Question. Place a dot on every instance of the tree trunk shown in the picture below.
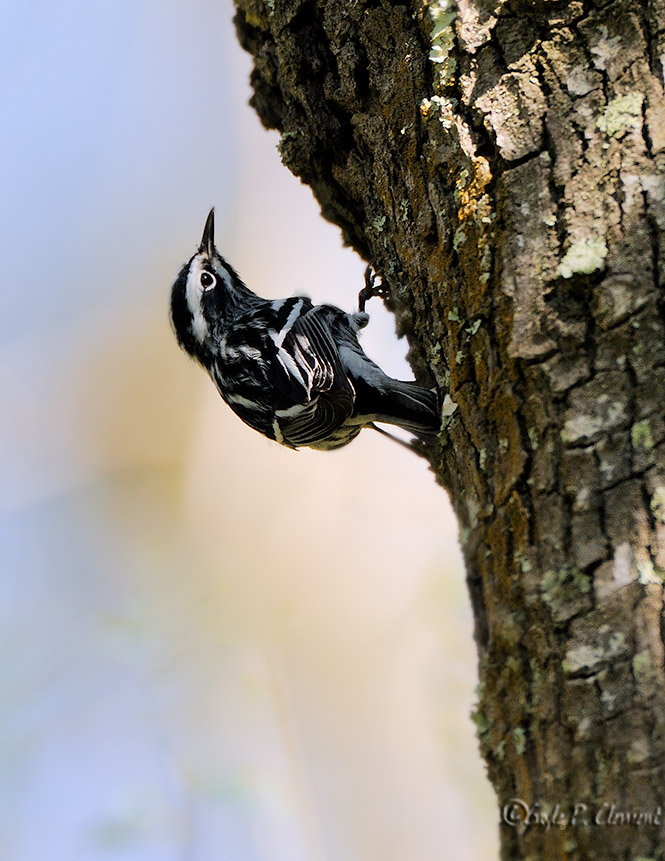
(502, 164)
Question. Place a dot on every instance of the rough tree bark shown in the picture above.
(502, 163)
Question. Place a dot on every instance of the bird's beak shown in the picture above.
(208, 240)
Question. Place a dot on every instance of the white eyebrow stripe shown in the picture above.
(193, 293)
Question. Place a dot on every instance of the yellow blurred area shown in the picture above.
(215, 648)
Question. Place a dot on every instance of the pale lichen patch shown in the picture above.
(459, 238)
(584, 427)
(640, 435)
(639, 751)
(648, 573)
(583, 258)
(579, 81)
(519, 740)
(657, 504)
(606, 48)
(622, 114)
(591, 656)
(475, 23)
(642, 665)
(378, 223)
(443, 14)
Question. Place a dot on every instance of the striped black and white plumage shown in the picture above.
(292, 370)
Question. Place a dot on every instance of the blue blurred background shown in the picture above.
(212, 647)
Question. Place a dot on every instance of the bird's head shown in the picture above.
(201, 295)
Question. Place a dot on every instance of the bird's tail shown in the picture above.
(402, 403)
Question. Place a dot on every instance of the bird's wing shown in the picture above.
(293, 377)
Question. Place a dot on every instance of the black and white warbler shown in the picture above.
(292, 370)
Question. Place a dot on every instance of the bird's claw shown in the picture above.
(371, 288)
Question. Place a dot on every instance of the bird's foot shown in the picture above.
(373, 287)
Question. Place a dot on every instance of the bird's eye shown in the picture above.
(207, 280)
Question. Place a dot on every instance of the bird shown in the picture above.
(290, 369)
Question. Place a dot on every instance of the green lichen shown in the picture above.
(445, 106)
(640, 435)
(453, 315)
(622, 114)
(443, 14)
(647, 572)
(482, 459)
(479, 718)
(583, 258)
(565, 591)
(657, 504)
(519, 740)
(378, 223)
(460, 184)
(254, 19)
(533, 438)
(642, 665)
(459, 238)
(442, 34)
(473, 328)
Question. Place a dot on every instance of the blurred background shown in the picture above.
(211, 647)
